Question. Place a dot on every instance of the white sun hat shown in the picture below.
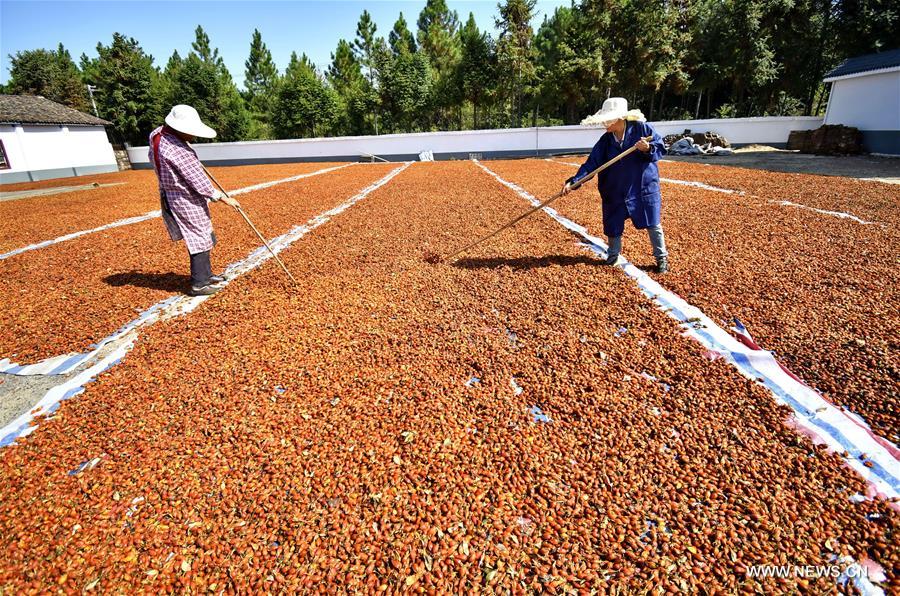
(184, 118)
(614, 108)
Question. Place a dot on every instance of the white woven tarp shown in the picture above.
(687, 146)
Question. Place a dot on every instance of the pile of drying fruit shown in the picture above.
(65, 297)
(866, 199)
(523, 420)
(815, 289)
(31, 220)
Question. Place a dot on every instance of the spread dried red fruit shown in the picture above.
(815, 289)
(280, 440)
(429, 256)
(867, 199)
(27, 221)
(65, 297)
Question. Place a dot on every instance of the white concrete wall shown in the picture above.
(14, 155)
(32, 148)
(519, 141)
(870, 102)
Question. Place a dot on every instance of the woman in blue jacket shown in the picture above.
(629, 189)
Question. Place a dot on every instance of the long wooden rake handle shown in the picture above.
(628, 151)
(249, 223)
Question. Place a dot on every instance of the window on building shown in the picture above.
(4, 162)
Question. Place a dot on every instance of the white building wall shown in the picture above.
(40, 152)
(13, 147)
(488, 143)
(869, 102)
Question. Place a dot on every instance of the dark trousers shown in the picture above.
(201, 269)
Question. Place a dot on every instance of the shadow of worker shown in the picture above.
(169, 282)
(523, 263)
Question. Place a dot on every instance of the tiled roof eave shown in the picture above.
(34, 109)
(103, 123)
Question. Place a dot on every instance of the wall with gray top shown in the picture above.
(482, 144)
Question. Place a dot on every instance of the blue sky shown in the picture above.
(309, 26)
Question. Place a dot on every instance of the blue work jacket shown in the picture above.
(629, 188)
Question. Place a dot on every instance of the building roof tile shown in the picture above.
(861, 64)
(34, 109)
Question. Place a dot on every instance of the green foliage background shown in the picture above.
(674, 59)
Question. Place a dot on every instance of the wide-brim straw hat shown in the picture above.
(614, 108)
(184, 118)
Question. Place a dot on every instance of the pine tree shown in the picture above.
(438, 29)
(203, 49)
(515, 54)
(804, 43)
(69, 85)
(88, 69)
(400, 38)
(261, 78)
(126, 88)
(476, 68)
(437, 37)
(202, 81)
(405, 89)
(364, 44)
(647, 62)
(344, 71)
(168, 79)
(743, 53)
(346, 78)
(305, 105)
(867, 26)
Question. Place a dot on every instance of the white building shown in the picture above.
(41, 139)
(865, 93)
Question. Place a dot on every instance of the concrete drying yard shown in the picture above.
(522, 420)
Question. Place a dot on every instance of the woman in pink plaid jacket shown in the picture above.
(185, 192)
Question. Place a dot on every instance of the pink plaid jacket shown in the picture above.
(183, 190)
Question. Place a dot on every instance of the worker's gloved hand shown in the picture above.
(230, 202)
(567, 187)
(217, 194)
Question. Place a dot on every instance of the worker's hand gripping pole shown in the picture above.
(622, 155)
(240, 210)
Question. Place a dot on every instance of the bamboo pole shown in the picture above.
(240, 210)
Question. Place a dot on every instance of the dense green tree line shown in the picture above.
(672, 58)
